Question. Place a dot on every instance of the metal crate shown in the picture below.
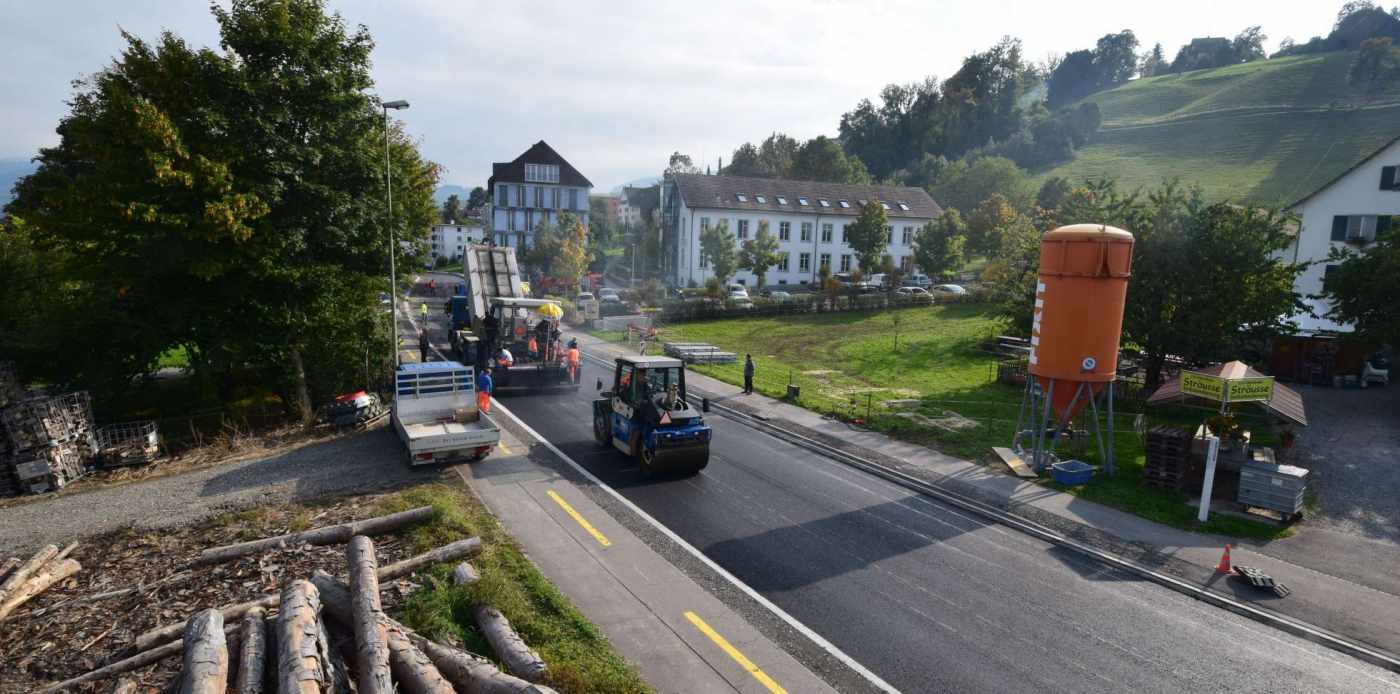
(1279, 488)
(128, 443)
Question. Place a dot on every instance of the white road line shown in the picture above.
(791, 621)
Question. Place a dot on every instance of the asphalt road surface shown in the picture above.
(931, 599)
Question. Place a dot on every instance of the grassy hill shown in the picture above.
(1268, 132)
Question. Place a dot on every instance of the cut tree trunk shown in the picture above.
(473, 674)
(413, 671)
(512, 650)
(52, 573)
(252, 653)
(330, 535)
(63, 553)
(19, 575)
(301, 664)
(8, 566)
(206, 655)
(464, 574)
(135, 662)
(456, 550)
(366, 613)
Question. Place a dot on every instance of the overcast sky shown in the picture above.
(614, 86)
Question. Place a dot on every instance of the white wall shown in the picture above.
(1357, 193)
(450, 240)
(688, 263)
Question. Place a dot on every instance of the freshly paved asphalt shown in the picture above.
(931, 599)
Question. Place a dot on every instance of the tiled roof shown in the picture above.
(782, 195)
(539, 153)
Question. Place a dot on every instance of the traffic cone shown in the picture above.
(1224, 566)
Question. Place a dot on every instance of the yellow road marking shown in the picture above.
(734, 653)
(601, 538)
(502, 445)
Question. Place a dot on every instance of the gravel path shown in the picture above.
(1352, 445)
(359, 462)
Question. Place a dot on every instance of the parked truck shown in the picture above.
(435, 413)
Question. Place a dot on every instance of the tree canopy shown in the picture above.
(940, 244)
(760, 253)
(717, 249)
(1363, 286)
(868, 235)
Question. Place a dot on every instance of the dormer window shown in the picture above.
(844, 205)
(824, 203)
(782, 200)
(542, 173)
(761, 200)
(904, 207)
(803, 202)
(741, 197)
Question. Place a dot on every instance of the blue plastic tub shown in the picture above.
(1072, 472)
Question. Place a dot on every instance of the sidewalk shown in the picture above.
(681, 638)
(1341, 583)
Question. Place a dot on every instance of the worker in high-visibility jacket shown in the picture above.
(574, 357)
(483, 390)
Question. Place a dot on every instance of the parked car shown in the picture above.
(608, 295)
(913, 294)
(738, 291)
(780, 296)
(584, 296)
(842, 278)
(948, 290)
(864, 287)
(921, 281)
(876, 279)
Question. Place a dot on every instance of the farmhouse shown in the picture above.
(809, 219)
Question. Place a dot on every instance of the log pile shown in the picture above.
(320, 633)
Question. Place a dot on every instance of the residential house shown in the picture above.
(450, 240)
(537, 186)
(809, 219)
(636, 205)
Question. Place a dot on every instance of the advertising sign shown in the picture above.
(1202, 385)
(1251, 389)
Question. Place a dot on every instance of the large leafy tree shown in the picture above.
(229, 202)
(988, 222)
(965, 186)
(451, 209)
(868, 235)
(940, 244)
(477, 199)
(717, 249)
(1364, 285)
(759, 253)
(572, 257)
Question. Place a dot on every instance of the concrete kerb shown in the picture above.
(826, 646)
(991, 512)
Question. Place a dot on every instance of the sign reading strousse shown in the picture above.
(1202, 385)
(1251, 389)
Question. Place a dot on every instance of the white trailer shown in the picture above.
(436, 415)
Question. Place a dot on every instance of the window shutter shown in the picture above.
(1388, 175)
(1339, 227)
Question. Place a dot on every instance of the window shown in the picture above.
(761, 200)
(504, 192)
(539, 196)
(1359, 228)
(824, 203)
(803, 201)
(573, 198)
(889, 234)
(782, 200)
(843, 233)
(519, 196)
(1390, 178)
(704, 223)
(742, 197)
(704, 260)
(743, 229)
(806, 232)
(804, 262)
(908, 236)
(825, 261)
(554, 198)
(783, 262)
(826, 233)
(906, 264)
(845, 262)
(845, 205)
(541, 173)
(904, 207)
(1327, 271)
(784, 231)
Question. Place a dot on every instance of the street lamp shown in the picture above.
(389, 222)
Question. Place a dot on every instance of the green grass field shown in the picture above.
(937, 388)
(1268, 132)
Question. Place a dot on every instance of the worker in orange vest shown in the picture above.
(573, 360)
(533, 347)
(484, 386)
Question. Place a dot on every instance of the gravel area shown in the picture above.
(1352, 446)
(366, 461)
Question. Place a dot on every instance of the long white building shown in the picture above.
(809, 219)
(536, 186)
(450, 240)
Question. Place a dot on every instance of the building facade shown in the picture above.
(636, 204)
(809, 219)
(1352, 209)
(537, 186)
(451, 240)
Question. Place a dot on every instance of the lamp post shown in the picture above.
(389, 222)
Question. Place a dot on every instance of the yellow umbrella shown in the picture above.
(551, 311)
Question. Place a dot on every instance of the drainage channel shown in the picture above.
(1296, 627)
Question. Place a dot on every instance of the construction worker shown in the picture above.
(423, 309)
(573, 360)
(483, 390)
(533, 347)
(504, 359)
(748, 374)
(423, 346)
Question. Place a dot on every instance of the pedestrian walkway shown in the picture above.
(1341, 583)
(680, 637)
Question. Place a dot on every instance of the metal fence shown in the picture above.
(799, 304)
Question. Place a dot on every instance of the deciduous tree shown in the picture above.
(939, 245)
(759, 253)
(868, 235)
(717, 249)
(1364, 284)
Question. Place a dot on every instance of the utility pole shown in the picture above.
(389, 222)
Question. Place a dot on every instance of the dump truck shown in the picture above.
(494, 312)
(436, 416)
(645, 415)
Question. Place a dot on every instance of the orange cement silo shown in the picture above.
(1079, 297)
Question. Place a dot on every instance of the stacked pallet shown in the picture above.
(50, 441)
(1167, 465)
(699, 353)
